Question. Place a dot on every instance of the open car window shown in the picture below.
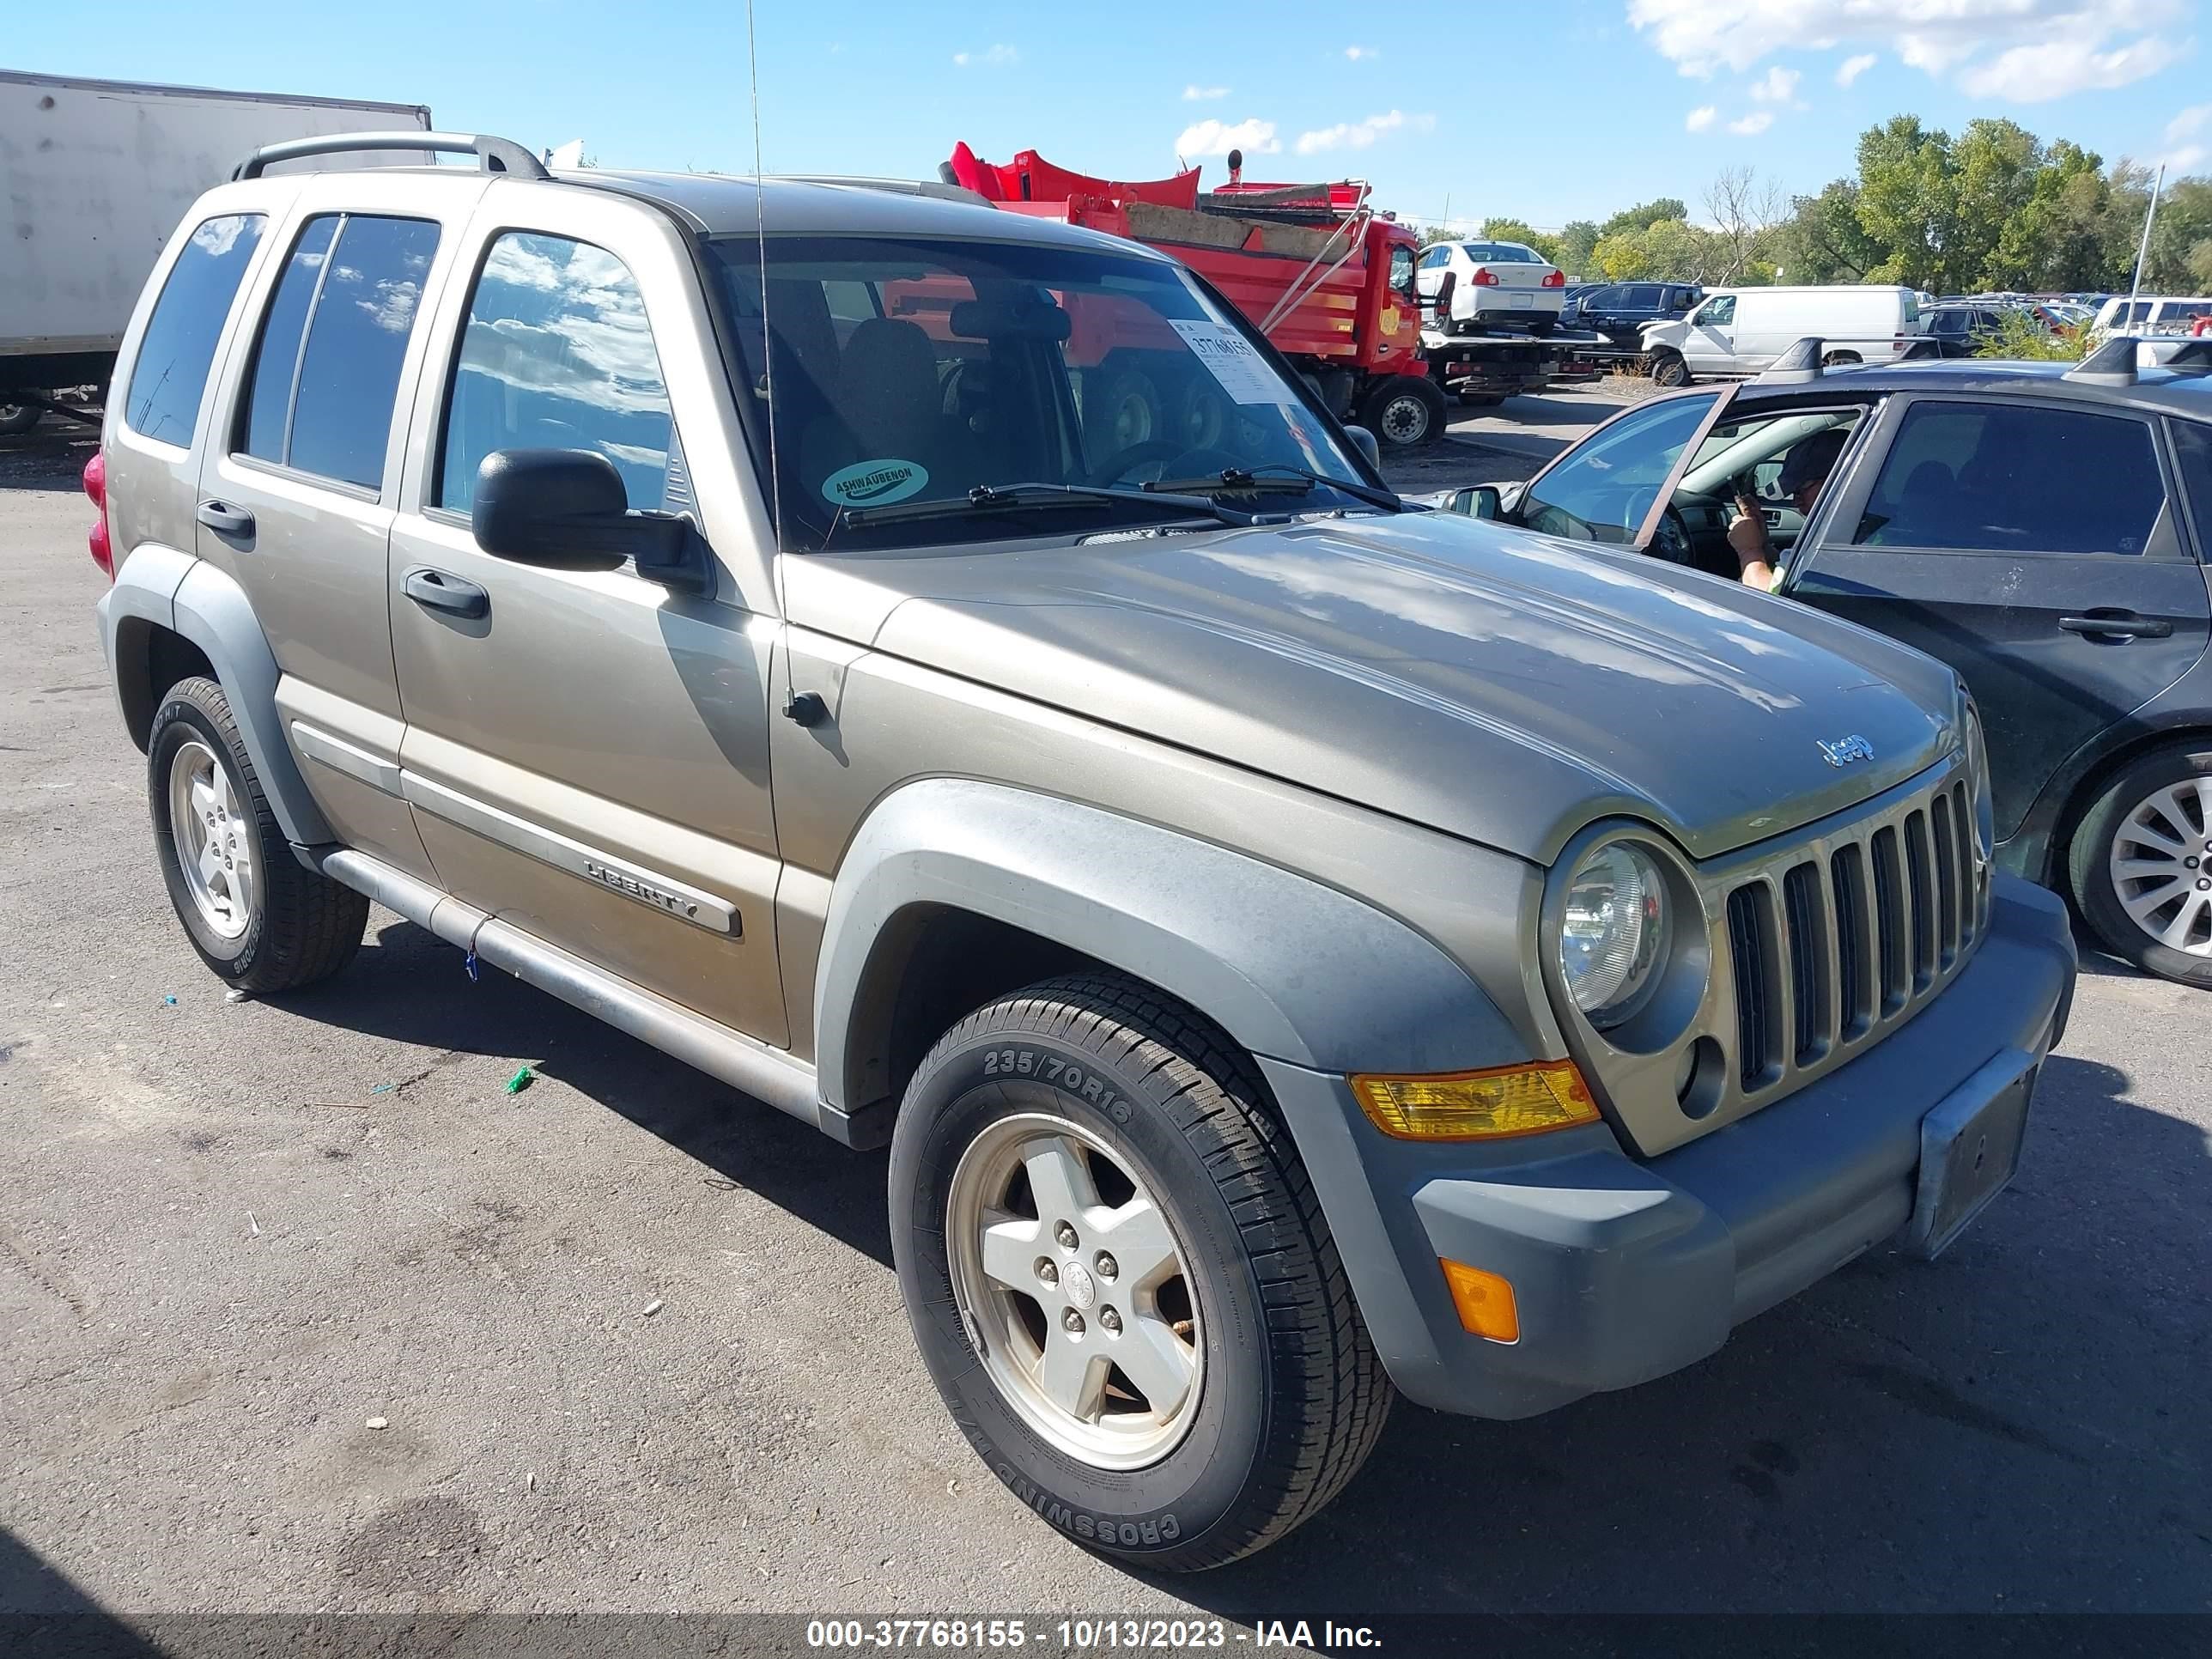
(1609, 487)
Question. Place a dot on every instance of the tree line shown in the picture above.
(1995, 208)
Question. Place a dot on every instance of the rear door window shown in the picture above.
(1997, 477)
(171, 371)
(1642, 296)
(2192, 448)
(558, 355)
(333, 344)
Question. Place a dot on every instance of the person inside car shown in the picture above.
(1804, 470)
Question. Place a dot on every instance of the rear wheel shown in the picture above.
(1404, 412)
(256, 914)
(17, 419)
(2141, 863)
(1668, 369)
(1121, 1280)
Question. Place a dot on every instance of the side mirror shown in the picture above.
(1363, 442)
(567, 509)
(1484, 502)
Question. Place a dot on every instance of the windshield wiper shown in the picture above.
(1275, 480)
(1010, 497)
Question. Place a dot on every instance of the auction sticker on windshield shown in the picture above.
(1229, 358)
(875, 484)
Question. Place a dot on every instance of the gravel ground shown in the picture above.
(635, 1345)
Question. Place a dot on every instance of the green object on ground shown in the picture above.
(521, 1080)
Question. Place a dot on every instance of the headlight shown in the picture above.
(1614, 937)
(1978, 775)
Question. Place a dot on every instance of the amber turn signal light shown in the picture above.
(1484, 1301)
(1492, 1105)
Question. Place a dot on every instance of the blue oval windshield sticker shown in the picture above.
(873, 483)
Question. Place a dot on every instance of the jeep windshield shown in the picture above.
(952, 371)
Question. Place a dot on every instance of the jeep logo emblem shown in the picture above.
(1844, 751)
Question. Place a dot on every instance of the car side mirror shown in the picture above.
(1484, 502)
(567, 509)
(1363, 442)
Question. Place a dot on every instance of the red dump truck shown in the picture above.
(1323, 275)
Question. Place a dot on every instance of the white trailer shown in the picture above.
(94, 178)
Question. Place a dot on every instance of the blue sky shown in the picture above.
(1548, 109)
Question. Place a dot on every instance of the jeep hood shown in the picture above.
(1483, 680)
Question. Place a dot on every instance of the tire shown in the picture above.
(1543, 329)
(1284, 1395)
(2167, 793)
(1404, 412)
(17, 419)
(1125, 413)
(281, 925)
(1668, 369)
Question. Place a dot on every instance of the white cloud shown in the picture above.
(1852, 67)
(997, 57)
(1358, 135)
(1195, 93)
(1355, 53)
(1753, 124)
(2184, 155)
(1701, 118)
(2106, 43)
(2036, 75)
(1777, 86)
(1219, 137)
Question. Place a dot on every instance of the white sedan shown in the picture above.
(1492, 285)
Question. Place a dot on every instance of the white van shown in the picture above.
(2151, 314)
(1738, 331)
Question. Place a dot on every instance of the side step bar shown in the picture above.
(752, 1067)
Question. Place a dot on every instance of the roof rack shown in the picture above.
(493, 155)
(1806, 359)
(948, 191)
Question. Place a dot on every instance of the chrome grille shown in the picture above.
(1828, 945)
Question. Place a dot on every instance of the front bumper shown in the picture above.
(1625, 1269)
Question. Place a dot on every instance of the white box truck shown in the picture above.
(94, 178)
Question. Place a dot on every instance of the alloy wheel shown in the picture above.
(215, 843)
(2160, 862)
(1075, 1291)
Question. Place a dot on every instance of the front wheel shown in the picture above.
(2141, 864)
(1404, 412)
(1121, 1280)
(1668, 369)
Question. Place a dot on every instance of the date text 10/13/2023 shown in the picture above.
(1083, 1635)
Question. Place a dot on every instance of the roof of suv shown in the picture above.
(2184, 393)
(718, 203)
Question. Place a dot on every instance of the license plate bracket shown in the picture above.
(1969, 1149)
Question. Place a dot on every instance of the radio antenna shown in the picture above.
(809, 712)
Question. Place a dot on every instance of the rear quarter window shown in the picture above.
(175, 355)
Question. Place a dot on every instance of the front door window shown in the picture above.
(1603, 489)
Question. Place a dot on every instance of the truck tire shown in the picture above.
(1668, 369)
(1404, 411)
(1121, 1280)
(2162, 923)
(259, 918)
(1124, 412)
(17, 419)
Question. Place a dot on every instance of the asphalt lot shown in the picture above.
(232, 1234)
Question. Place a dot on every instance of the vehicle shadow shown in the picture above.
(2016, 1427)
(43, 1612)
(411, 987)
